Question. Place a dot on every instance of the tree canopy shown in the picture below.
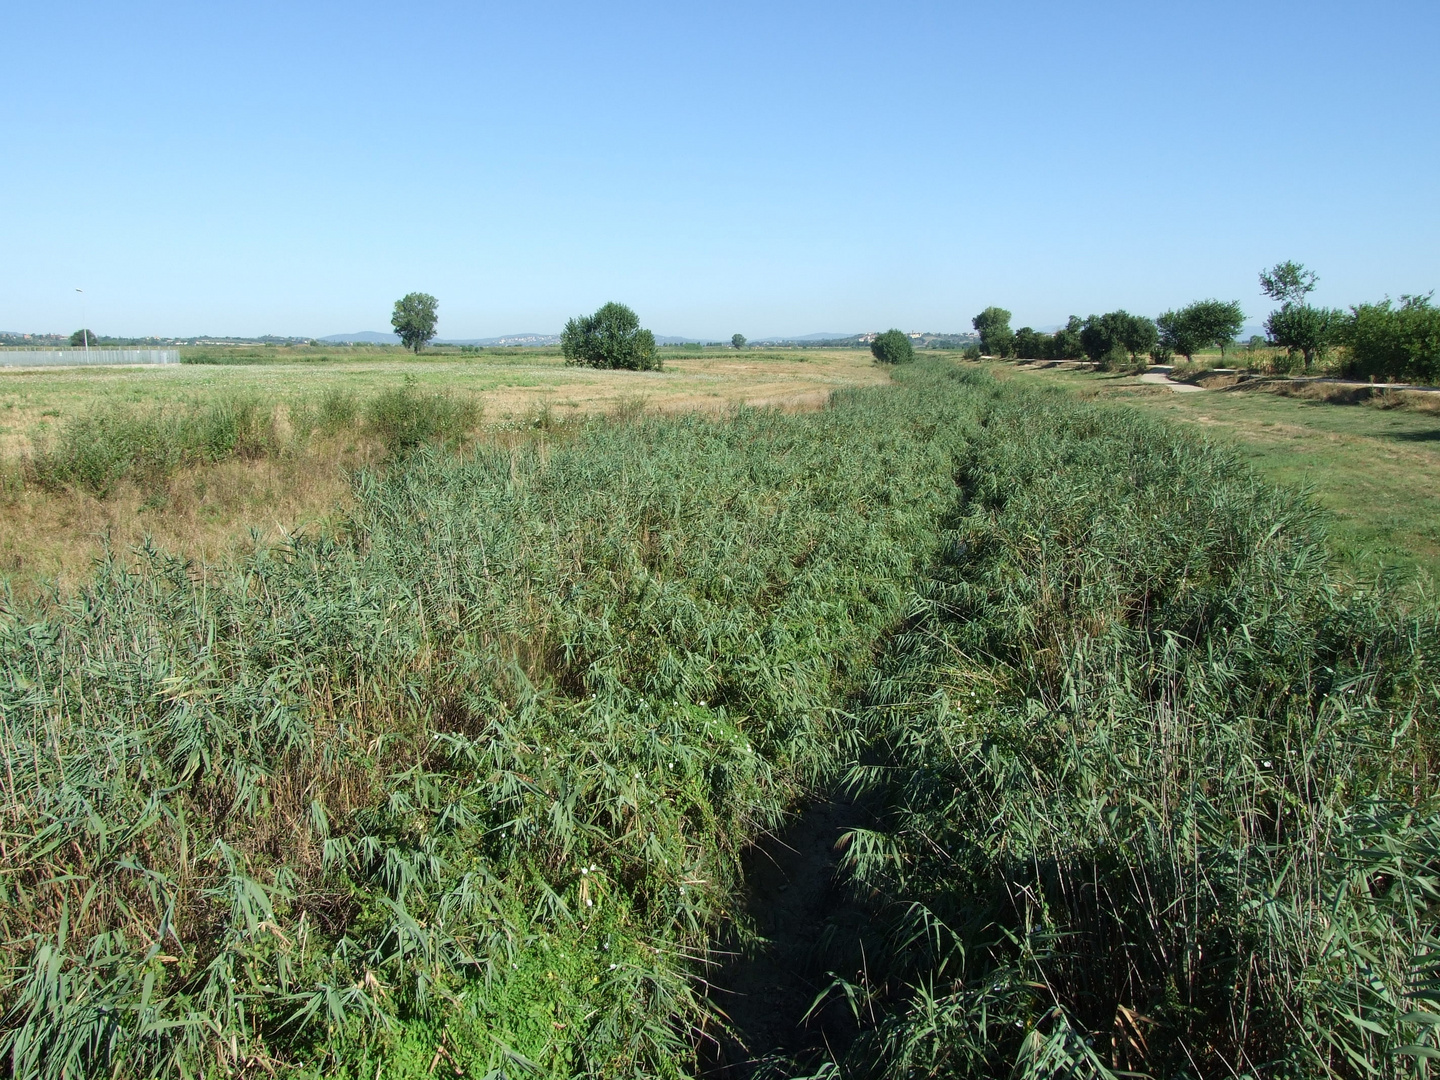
(892, 347)
(1030, 345)
(1309, 331)
(737, 341)
(611, 338)
(1288, 282)
(1065, 342)
(1138, 335)
(414, 319)
(82, 337)
(993, 326)
(1392, 341)
(1199, 325)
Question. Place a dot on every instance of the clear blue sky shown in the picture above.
(292, 168)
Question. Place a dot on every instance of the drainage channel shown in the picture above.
(805, 929)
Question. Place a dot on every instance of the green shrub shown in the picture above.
(1389, 342)
(892, 347)
(611, 338)
(406, 417)
(97, 450)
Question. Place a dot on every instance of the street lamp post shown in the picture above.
(84, 333)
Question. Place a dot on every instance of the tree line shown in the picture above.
(1115, 338)
(1385, 340)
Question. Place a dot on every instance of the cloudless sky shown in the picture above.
(761, 167)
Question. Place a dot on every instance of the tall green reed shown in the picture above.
(492, 749)
(1158, 787)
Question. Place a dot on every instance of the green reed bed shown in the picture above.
(1158, 790)
(464, 786)
(146, 444)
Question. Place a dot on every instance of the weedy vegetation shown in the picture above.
(469, 778)
(97, 449)
(1158, 788)
(464, 784)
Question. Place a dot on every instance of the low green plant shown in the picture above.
(467, 781)
(97, 450)
(406, 417)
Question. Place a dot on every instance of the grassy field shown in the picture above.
(464, 780)
(209, 507)
(1374, 468)
(512, 384)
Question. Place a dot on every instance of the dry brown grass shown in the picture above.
(203, 512)
(206, 512)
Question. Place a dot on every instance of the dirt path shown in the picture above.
(1160, 374)
(803, 922)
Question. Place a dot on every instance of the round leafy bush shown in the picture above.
(611, 338)
(892, 347)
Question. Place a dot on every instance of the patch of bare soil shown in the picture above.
(803, 925)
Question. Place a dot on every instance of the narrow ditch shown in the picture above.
(804, 929)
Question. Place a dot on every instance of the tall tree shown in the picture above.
(1297, 326)
(414, 319)
(993, 326)
(1309, 331)
(1138, 334)
(1065, 342)
(1031, 345)
(737, 341)
(611, 338)
(83, 337)
(1103, 337)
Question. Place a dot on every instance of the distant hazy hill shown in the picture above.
(375, 337)
(506, 339)
(363, 337)
(784, 339)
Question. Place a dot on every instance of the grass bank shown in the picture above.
(1368, 462)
